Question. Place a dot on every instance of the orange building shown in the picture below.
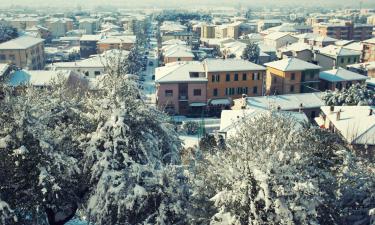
(344, 30)
(291, 75)
(231, 78)
(116, 42)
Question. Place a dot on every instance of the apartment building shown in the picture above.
(59, 26)
(116, 42)
(265, 24)
(90, 26)
(333, 56)
(344, 30)
(23, 52)
(339, 78)
(291, 75)
(89, 45)
(208, 31)
(279, 39)
(231, 78)
(368, 54)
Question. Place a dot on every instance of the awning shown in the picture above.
(220, 101)
(197, 104)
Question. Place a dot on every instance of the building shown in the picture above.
(321, 41)
(265, 24)
(279, 39)
(291, 75)
(308, 103)
(91, 67)
(355, 124)
(333, 56)
(208, 31)
(290, 28)
(89, 45)
(179, 35)
(297, 50)
(181, 88)
(366, 69)
(368, 54)
(231, 78)
(23, 52)
(4, 71)
(116, 42)
(59, 26)
(24, 22)
(339, 78)
(90, 26)
(344, 30)
(176, 53)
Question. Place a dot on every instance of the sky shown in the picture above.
(192, 3)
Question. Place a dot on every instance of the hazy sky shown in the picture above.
(193, 3)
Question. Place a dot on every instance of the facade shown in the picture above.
(332, 56)
(231, 78)
(344, 30)
(265, 24)
(88, 45)
(116, 42)
(90, 68)
(366, 68)
(90, 26)
(339, 78)
(291, 75)
(297, 50)
(368, 54)
(183, 36)
(208, 31)
(59, 26)
(279, 39)
(23, 52)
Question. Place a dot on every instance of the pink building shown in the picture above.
(181, 88)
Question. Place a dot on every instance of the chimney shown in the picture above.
(243, 101)
(332, 108)
(371, 112)
(338, 115)
(300, 108)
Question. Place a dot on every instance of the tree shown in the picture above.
(6, 213)
(7, 33)
(356, 94)
(251, 53)
(276, 171)
(104, 154)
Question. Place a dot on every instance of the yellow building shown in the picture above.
(291, 75)
(23, 52)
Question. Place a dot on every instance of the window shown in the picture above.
(236, 77)
(168, 93)
(293, 76)
(217, 77)
(255, 90)
(231, 91)
(245, 90)
(274, 79)
(253, 76)
(312, 75)
(244, 76)
(2, 57)
(197, 92)
(213, 78)
(342, 60)
(87, 73)
(215, 92)
(12, 57)
(178, 59)
(226, 91)
(355, 60)
(349, 59)
(227, 77)
(97, 73)
(291, 88)
(239, 90)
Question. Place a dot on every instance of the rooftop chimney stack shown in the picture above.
(300, 108)
(371, 112)
(338, 115)
(332, 108)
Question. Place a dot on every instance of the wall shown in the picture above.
(162, 100)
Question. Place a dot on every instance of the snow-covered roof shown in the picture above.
(292, 64)
(3, 68)
(286, 102)
(118, 40)
(277, 35)
(340, 74)
(88, 37)
(232, 119)
(179, 52)
(179, 72)
(219, 65)
(297, 47)
(365, 66)
(370, 41)
(334, 51)
(23, 42)
(36, 77)
(356, 124)
(173, 42)
(355, 46)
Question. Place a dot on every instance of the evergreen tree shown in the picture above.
(251, 53)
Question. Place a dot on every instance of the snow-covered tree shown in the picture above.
(356, 94)
(7, 32)
(6, 214)
(275, 171)
(251, 53)
(104, 154)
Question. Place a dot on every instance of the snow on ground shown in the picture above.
(189, 140)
